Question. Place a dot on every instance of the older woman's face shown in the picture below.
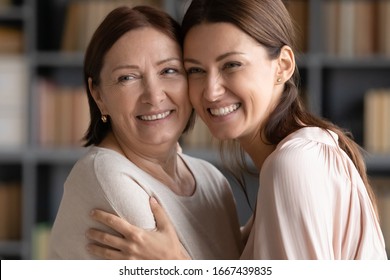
(144, 89)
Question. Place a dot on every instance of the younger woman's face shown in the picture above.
(232, 82)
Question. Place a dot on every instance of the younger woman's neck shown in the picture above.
(257, 150)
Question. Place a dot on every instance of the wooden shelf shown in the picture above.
(332, 84)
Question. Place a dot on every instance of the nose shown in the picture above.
(214, 88)
(153, 91)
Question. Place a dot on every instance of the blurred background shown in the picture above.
(343, 59)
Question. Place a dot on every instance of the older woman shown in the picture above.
(137, 90)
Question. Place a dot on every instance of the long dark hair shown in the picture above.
(269, 23)
(118, 22)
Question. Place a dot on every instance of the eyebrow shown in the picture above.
(219, 58)
(168, 60)
(131, 66)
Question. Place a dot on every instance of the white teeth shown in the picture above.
(155, 117)
(225, 110)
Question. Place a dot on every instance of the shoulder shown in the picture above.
(98, 163)
(103, 170)
(100, 158)
(304, 156)
(301, 171)
(308, 144)
(110, 181)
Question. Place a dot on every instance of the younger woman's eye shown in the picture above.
(231, 65)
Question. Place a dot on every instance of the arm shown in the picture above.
(136, 243)
(91, 184)
(294, 214)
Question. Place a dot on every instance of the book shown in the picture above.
(13, 106)
(386, 123)
(11, 40)
(331, 26)
(370, 127)
(376, 124)
(40, 241)
(83, 17)
(72, 27)
(346, 31)
(384, 27)
(5, 3)
(46, 120)
(10, 210)
(81, 116)
(63, 114)
(299, 11)
(365, 28)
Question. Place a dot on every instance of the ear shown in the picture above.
(97, 96)
(286, 65)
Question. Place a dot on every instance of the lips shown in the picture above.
(223, 111)
(155, 117)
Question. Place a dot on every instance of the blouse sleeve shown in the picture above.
(294, 215)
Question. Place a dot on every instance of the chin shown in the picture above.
(224, 135)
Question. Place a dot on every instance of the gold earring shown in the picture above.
(279, 80)
(104, 118)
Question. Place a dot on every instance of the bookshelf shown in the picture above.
(334, 82)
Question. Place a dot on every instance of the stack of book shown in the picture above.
(11, 40)
(84, 16)
(10, 211)
(357, 28)
(13, 96)
(376, 121)
(63, 114)
(299, 11)
(5, 3)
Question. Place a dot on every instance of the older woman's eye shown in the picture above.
(169, 71)
(126, 78)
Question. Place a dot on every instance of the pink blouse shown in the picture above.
(312, 204)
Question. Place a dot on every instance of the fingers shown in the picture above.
(162, 220)
(104, 238)
(113, 221)
(109, 246)
(106, 253)
(135, 243)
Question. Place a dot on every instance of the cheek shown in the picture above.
(121, 104)
(194, 91)
(180, 90)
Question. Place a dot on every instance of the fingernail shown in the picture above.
(92, 212)
(153, 200)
